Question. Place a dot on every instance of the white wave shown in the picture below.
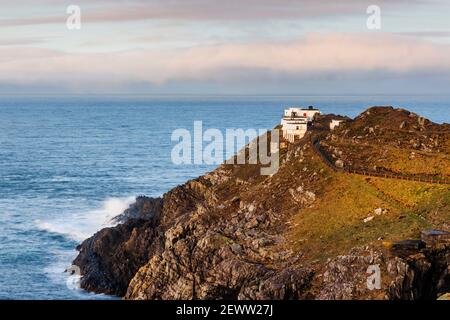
(57, 273)
(56, 270)
(81, 225)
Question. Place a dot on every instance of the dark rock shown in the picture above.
(289, 284)
(422, 276)
(143, 208)
(407, 247)
(109, 259)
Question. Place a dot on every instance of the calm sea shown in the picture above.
(69, 164)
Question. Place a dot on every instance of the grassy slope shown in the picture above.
(399, 160)
(335, 224)
(394, 140)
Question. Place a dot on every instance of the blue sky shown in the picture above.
(208, 46)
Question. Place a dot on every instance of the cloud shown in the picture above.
(95, 11)
(317, 55)
(20, 42)
(247, 35)
(427, 34)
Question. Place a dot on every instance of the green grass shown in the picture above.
(335, 223)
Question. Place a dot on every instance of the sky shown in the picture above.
(225, 47)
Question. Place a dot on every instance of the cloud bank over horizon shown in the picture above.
(199, 46)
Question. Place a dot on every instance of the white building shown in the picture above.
(308, 113)
(295, 122)
(335, 123)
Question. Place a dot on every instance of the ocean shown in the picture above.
(70, 164)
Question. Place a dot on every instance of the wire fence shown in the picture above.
(316, 147)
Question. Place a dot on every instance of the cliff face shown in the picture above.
(424, 275)
(199, 246)
(234, 234)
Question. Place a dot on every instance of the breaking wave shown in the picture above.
(80, 226)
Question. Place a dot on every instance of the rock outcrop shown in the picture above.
(110, 258)
(228, 235)
(424, 275)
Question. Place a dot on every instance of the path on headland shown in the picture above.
(315, 143)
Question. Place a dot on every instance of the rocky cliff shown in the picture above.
(306, 232)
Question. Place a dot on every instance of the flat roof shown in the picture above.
(303, 108)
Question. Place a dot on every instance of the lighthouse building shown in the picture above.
(295, 122)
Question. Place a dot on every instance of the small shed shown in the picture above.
(434, 237)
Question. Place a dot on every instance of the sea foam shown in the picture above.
(79, 226)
